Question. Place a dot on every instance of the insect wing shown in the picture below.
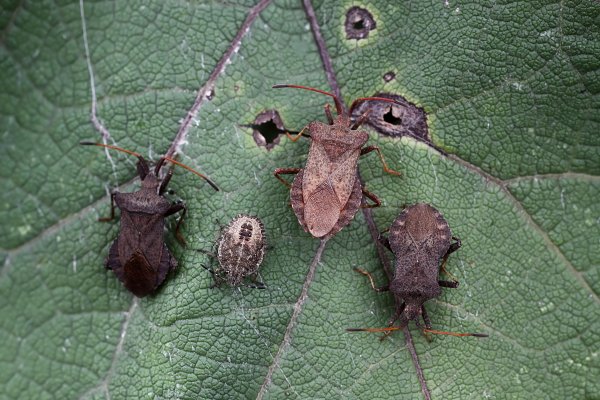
(138, 275)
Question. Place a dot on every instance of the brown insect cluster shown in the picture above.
(420, 238)
(325, 195)
(240, 250)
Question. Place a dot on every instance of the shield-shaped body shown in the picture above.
(330, 191)
(419, 238)
(139, 257)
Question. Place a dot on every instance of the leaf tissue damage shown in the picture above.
(267, 128)
(396, 120)
(359, 22)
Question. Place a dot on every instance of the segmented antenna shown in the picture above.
(169, 159)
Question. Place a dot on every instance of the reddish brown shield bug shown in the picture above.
(139, 256)
(240, 251)
(327, 193)
(419, 238)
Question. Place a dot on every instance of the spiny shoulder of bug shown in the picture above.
(341, 131)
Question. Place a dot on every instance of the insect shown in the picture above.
(419, 238)
(139, 256)
(327, 192)
(240, 251)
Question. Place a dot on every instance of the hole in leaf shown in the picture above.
(267, 128)
(359, 22)
(390, 118)
(396, 120)
(358, 25)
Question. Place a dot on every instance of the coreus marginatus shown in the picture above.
(240, 251)
(139, 256)
(419, 238)
(327, 193)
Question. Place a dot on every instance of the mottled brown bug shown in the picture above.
(327, 193)
(419, 238)
(240, 251)
(139, 256)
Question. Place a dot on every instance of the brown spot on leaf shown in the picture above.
(389, 76)
(359, 22)
(396, 120)
(267, 128)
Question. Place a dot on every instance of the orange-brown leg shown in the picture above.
(174, 209)
(328, 114)
(361, 119)
(372, 197)
(285, 171)
(392, 321)
(112, 209)
(453, 247)
(368, 149)
(296, 137)
(384, 288)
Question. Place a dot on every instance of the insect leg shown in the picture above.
(372, 197)
(395, 317)
(165, 182)
(174, 209)
(449, 284)
(328, 114)
(285, 171)
(368, 149)
(425, 317)
(208, 253)
(385, 242)
(295, 138)
(256, 284)
(453, 247)
(384, 288)
(424, 329)
(112, 209)
(142, 167)
(216, 277)
(397, 314)
(361, 119)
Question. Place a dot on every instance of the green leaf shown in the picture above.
(512, 92)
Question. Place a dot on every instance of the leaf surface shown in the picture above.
(512, 92)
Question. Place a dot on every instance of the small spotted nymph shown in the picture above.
(240, 251)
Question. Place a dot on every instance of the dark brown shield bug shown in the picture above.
(420, 238)
(139, 256)
(240, 251)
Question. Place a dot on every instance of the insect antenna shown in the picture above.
(211, 183)
(396, 328)
(455, 333)
(169, 159)
(108, 146)
(338, 103)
